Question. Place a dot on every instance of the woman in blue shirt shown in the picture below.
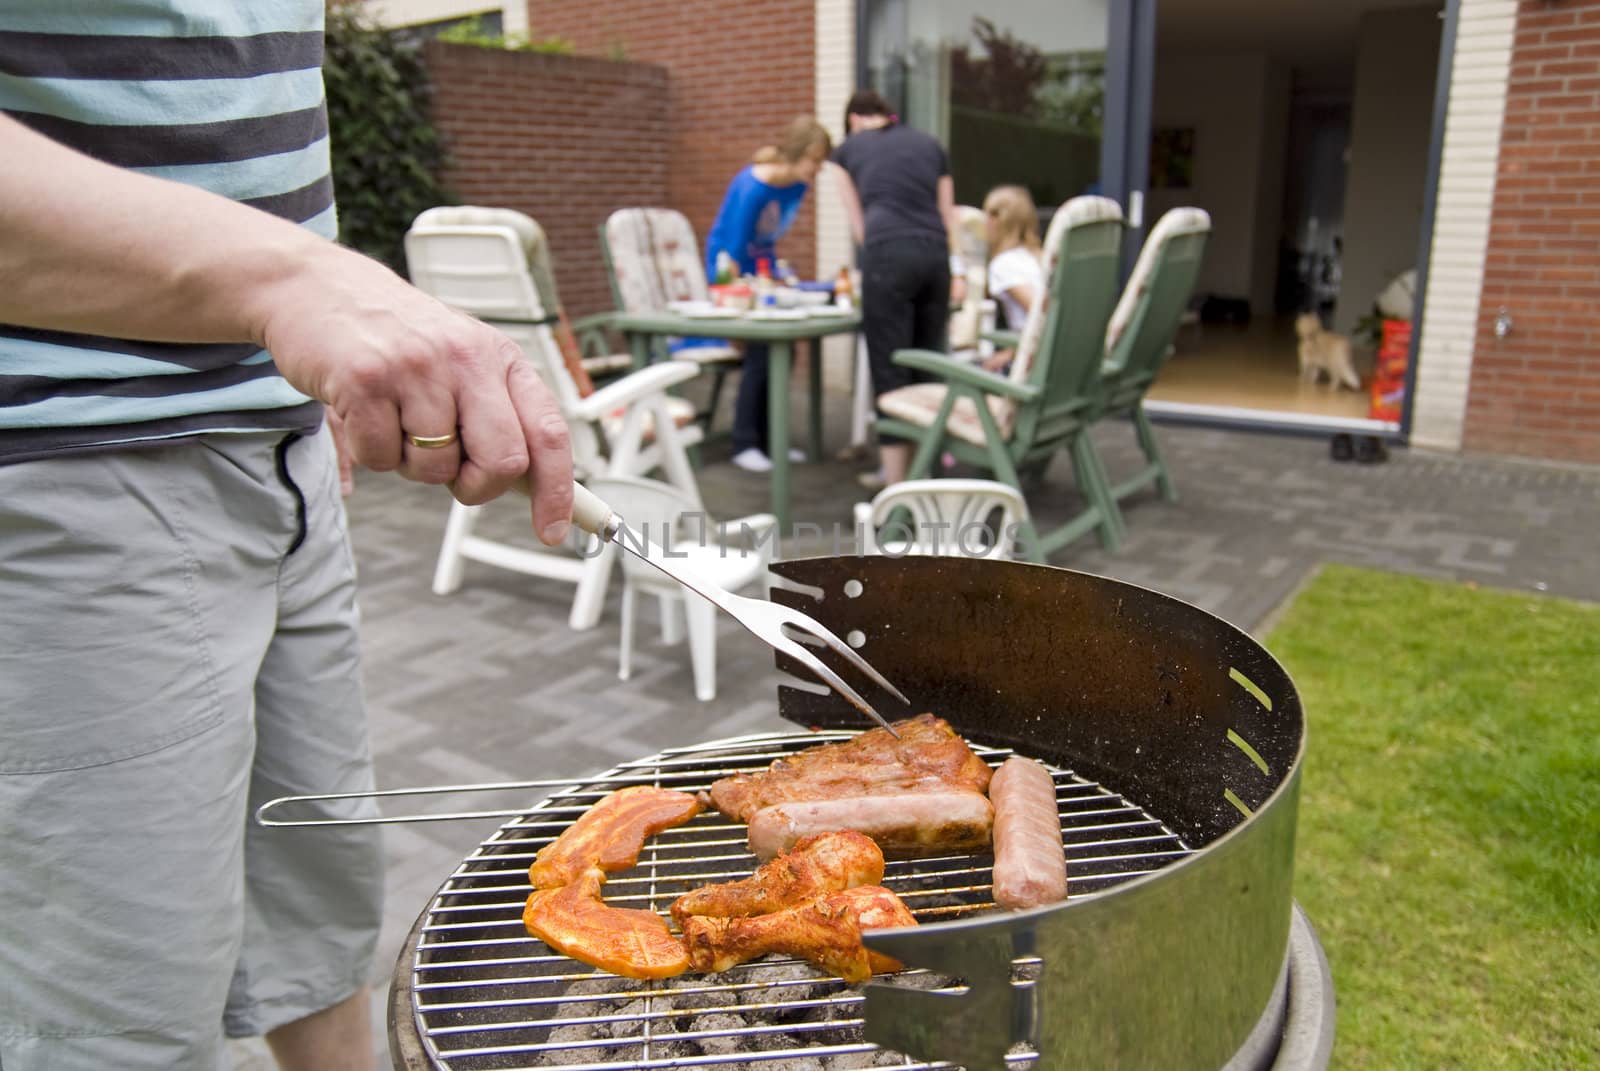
(762, 201)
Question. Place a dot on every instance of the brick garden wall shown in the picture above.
(1536, 392)
(738, 73)
(566, 139)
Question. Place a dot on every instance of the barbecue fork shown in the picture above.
(765, 620)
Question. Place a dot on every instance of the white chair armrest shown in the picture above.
(652, 379)
(866, 538)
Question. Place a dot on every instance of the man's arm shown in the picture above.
(88, 247)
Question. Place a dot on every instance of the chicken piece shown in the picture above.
(576, 922)
(928, 757)
(818, 865)
(826, 932)
(610, 834)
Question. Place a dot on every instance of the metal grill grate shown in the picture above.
(486, 995)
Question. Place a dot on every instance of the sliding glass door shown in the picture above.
(1038, 93)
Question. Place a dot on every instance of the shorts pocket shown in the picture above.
(106, 654)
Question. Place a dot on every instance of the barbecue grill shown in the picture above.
(1174, 740)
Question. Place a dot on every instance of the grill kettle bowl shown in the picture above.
(1177, 710)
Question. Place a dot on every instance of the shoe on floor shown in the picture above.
(752, 460)
(872, 481)
(796, 454)
(1370, 450)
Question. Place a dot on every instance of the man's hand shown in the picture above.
(390, 361)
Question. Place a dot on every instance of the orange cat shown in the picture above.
(1322, 351)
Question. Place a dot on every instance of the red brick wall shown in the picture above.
(1537, 392)
(738, 73)
(566, 139)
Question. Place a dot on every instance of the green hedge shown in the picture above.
(386, 153)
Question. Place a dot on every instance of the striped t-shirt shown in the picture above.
(225, 96)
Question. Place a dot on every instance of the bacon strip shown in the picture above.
(611, 834)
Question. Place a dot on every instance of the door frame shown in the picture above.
(1125, 138)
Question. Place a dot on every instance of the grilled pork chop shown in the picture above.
(921, 793)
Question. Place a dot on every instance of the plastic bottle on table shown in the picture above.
(844, 291)
(766, 291)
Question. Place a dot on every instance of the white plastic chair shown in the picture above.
(957, 518)
(732, 555)
(494, 264)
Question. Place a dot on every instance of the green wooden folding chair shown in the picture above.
(1046, 402)
(1139, 338)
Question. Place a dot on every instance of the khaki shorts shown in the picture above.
(177, 645)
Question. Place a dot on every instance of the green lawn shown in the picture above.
(1449, 837)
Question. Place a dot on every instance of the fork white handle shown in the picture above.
(591, 514)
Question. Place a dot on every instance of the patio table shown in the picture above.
(780, 336)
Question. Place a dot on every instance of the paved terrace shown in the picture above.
(490, 685)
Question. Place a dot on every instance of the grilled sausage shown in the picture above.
(911, 823)
(1030, 864)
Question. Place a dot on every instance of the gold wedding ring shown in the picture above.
(430, 442)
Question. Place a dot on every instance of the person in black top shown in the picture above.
(900, 200)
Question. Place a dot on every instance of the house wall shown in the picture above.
(1463, 206)
(736, 74)
(566, 139)
(1391, 121)
(1536, 392)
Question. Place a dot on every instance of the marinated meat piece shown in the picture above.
(826, 863)
(922, 823)
(869, 783)
(576, 922)
(1030, 863)
(610, 834)
(826, 932)
(928, 757)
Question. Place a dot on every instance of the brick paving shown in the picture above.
(490, 685)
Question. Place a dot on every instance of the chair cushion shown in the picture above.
(529, 235)
(682, 410)
(1172, 224)
(919, 403)
(655, 258)
(1076, 212)
(607, 364)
